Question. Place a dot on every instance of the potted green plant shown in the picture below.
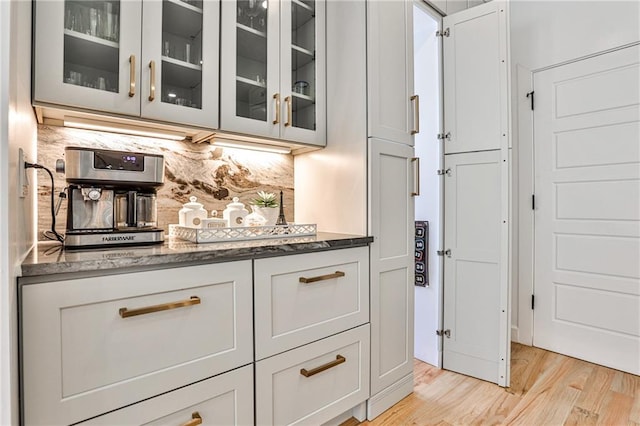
(266, 205)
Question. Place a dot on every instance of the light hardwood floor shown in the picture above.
(546, 389)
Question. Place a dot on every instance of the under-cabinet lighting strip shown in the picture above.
(105, 126)
(251, 145)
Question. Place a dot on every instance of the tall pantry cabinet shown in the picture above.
(393, 184)
(368, 173)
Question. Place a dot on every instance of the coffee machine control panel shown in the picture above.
(95, 166)
(110, 160)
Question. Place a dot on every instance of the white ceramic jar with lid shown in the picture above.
(235, 213)
(192, 214)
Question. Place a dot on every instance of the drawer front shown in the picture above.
(96, 344)
(291, 313)
(295, 388)
(223, 400)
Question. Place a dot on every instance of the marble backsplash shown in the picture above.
(214, 175)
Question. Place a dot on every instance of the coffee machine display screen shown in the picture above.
(112, 160)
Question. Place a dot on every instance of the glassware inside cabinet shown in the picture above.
(303, 63)
(181, 52)
(251, 59)
(91, 44)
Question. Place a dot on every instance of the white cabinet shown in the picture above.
(308, 297)
(149, 59)
(391, 209)
(224, 400)
(273, 80)
(314, 383)
(475, 82)
(392, 106)
(91, 345)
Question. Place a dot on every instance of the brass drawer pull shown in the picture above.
(337, 274)
(287, 100)
(132, 75)
(415, 100)
(152, 79)
(195, 420)
(126, 313)
(308, 373)
(277, 98)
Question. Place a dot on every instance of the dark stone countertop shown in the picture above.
(49, 261)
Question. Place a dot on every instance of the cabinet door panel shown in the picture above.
(392, 262)
(250, 72)
(390, 69)
(475, 79)
(302, 70)
(86, 54)
(180, 62)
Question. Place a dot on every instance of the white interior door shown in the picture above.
(473, 310)
(587, 215)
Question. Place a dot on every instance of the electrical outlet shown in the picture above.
(23, 179)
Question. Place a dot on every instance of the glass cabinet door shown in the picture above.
(303, 77)
(180, 61)
(91, 44)
(87, 53)
(250, 72)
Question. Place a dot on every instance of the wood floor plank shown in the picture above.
(546, 389)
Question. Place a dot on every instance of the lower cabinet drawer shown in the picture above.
(223, 400)
(314, 383)
(307, 297)
(93, 345)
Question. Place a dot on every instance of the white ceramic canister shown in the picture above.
(192, 214)
(235, 213)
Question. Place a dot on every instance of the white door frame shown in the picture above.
(526, 169)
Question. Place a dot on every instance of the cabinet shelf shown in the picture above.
(300, 57)
(302, 101)
(251, 30)
(252, 44)
(189, 6)
(91, 39)
(251, 82)
(180, 63)
(303, 13)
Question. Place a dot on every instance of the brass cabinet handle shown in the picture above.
(195, 420)
(336, 274)
(132, 75)
(126, 313)
(308, 373)
(288, 101)
(416, 114)
(277, 98)
(152, 86)
(416, 182)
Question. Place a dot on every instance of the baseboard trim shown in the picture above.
(514, 334)
(385, 399)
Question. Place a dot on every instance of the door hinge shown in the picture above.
(446, 332)
(533, 201)
(533, 301)
(444, 172)
(530, 94)
(444, 33)
(446, 136)
(443, 252)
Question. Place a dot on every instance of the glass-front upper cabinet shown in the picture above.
(273, 59)
(180, 61)
(155, 59)
(85, 54)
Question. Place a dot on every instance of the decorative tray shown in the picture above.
(215, 235)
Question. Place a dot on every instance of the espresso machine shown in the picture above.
(112, 198)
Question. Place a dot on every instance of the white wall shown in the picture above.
(17, 219)
(546, 33)
(331, 184)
